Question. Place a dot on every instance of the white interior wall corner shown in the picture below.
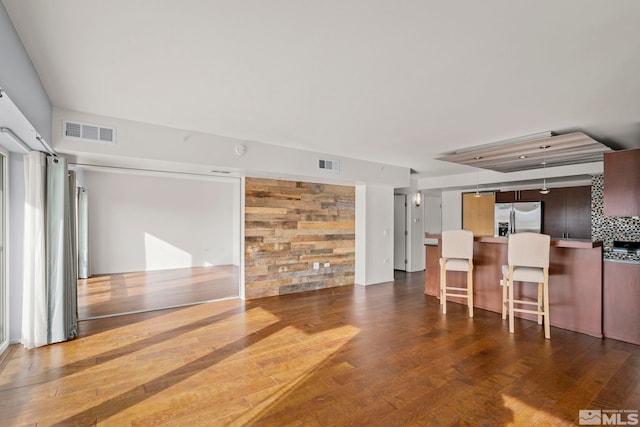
(361, 235)
(416, 230)
(374, 234)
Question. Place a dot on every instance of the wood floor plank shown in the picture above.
(113, 294)
(377, 355)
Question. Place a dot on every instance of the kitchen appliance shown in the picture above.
(517, 217)
(626, 247)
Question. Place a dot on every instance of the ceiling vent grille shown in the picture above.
(89, 133)
(330, 165)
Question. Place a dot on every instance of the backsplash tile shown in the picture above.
(608, 228)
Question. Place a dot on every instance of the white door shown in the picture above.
(400, 232)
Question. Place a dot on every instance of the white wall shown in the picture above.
(432, 215)
(451, 210)
(374, 234)
(416, 232)
(19, 79)
(154, 222)
(144, 145)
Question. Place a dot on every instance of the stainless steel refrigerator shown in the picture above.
(518, 217)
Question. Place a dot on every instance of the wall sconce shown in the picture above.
(418, 198)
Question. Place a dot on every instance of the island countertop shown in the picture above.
(558, 243)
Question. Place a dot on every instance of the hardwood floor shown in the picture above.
(112, 294)
(378, 355)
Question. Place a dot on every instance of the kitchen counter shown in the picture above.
(558, 243)
(575, 280)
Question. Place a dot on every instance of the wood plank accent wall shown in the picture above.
(289, 226)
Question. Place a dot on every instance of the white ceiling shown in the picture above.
(398, 82)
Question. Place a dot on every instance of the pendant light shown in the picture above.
(544, 189)
(477, 185)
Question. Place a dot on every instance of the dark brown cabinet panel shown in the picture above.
(518, 196)
(505, 196)
(530, 196)
(621, 301)
(622, 183)
(554, 216)
(567, 212)
(578, 209)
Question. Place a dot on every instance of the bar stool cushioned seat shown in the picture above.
(457, 255)
(528, 261)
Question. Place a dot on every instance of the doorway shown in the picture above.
(400, 232)
(158, 240)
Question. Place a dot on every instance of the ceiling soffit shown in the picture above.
(560, 150)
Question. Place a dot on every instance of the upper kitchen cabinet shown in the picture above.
(622, 183)
(518, 196)
(506, 196)
(567, 212)
(578, 212)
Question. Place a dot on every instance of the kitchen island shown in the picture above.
(575, 280)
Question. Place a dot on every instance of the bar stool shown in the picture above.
(457, 255)
(528, 258)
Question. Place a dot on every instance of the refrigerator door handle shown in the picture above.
(512, 219)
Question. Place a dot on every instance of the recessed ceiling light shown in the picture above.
(477, 157)
(522, 157)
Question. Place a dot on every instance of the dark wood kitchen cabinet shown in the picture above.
(505, 196)
(518, 196)
(567, 212)
(621, 301)
(554, 222)
(622, 183)
(578, 212)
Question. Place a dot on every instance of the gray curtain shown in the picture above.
(61, 279)
(73, 212)
(83, 234)
(71, 312)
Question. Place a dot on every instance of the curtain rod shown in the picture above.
(46, 146)
(24, 145)
(16, 138)
(150, 170)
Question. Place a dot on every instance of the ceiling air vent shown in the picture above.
(89, 133)
(330, 165)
